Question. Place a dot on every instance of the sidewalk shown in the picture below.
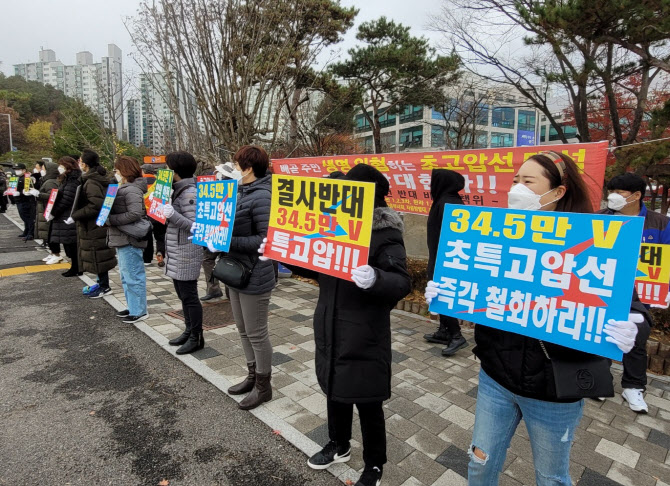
(431, 412)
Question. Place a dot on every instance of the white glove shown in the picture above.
(168, 210)
(211, 248)
(364, 276)
(50, 218)
(193, 228)
(261, 250)
(69, 221)
(623, 333)
(34, 192)
(431, 291)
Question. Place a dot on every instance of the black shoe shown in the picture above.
(196, 341)
(71, 273)
(28, 238)
(456, 343)
(123, 313)
(134, 319)
(22, 235)
(178, 341)
(331, 454)
(211, 296)
(441, 336)
(372, 476)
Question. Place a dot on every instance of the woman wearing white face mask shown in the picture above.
(63, 229)
(517, 379)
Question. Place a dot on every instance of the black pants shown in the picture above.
(187, 291)
(71, 252)
(3, 202)
(148, 253)
(635, 362)
(159, 234)
(27, 215)
(451, 325)
(103, 280)
(373, 428)
(54, 248)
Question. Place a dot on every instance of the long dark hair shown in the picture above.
(70, 165)
(576, 198)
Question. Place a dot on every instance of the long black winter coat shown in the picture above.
(444, 187)
(94, 254)
(251, 226)
(48, 182)
(65, 234)
(518, 363)
(352, 326)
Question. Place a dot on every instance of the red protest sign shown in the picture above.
(50, 203)
(488, 173)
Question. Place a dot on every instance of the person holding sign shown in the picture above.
(626, 192)
(49, 182)
(183, 258)
(445, 186)
(520, 375)
(25, 202)
(127, 220)
(251, 304)
(3, 188)
(352, 332)
(63, 230)
(94, 254)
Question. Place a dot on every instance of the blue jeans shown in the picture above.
(551, 427)
(133, 279)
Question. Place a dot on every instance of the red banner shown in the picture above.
(488, 173)
(50, 203)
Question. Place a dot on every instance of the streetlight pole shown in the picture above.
(11, 145)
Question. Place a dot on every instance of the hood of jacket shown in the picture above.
(97, 174)
(444, 182)
(51, 171)
(183, 183)
(387, 218)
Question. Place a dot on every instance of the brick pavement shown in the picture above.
(431, 412)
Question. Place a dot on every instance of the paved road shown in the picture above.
(85, 399)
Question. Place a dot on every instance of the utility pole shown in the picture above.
(11, 145)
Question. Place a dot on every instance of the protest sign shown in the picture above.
(653, 274)
(215, 213)
(26, 183)
(112, 189)
(321, 224)
(488, 173)
(205, 178)
(12, 187)
(161, 195)
(76, 200)
(542, 274)
(50, 203)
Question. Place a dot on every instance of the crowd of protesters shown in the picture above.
(352, 330)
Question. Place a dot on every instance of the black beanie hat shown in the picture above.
(367, 173)
(20, 166)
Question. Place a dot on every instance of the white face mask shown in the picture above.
(616, 202)
(36, 170)
(236, 174)
(43, 172)
(61, 169)
(19, 172)
(521, 197)
(118, 177)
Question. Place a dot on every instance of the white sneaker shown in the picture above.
(46, 258)
(635, 399)
(54, 259)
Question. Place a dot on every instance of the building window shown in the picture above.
(481, 140)
(526, 120)
(437, 137)
(362, 123)
(411, 137)
(388, 142)
(387, 120)
(483, 114)
(543, 133)
(503, 117)
(502, 140)
(569, 131)
(411, 113)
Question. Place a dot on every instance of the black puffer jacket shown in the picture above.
(444, 187)
(251, 226)
(65, 234)
(49, 182)
(94, 254)
(518, 363)
(352, 326)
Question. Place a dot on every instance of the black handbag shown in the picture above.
(581, 378)
(233, 272)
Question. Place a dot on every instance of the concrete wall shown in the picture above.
(415, 235)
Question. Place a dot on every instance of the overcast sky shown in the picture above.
(71, 26)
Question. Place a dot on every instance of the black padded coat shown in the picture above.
(65, 234)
